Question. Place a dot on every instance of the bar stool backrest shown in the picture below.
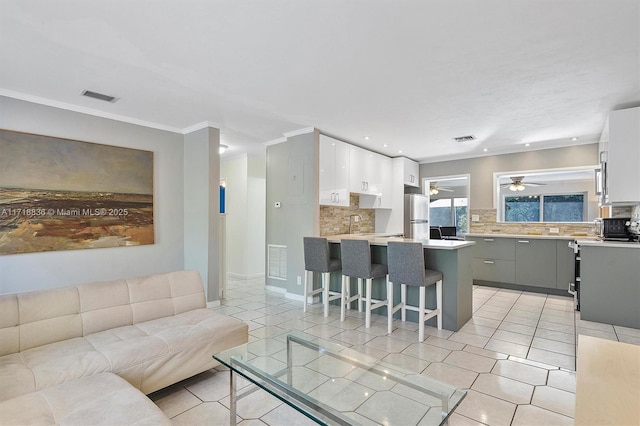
(406, 263)
(316, 254)
(356, 258)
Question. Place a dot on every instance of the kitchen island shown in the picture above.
(452, 258)
(610, 282)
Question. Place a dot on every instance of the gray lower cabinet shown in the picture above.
(536, 262)
(494, 248)
(565, 267)
(494, 270)
(531, 262)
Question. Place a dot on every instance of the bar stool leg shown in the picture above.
(367, 314)
(439, 303)
(306, 288)
(421, 313)
(389, 305)
(359, 294)
(344, 296)
(403, 300)
(326, 280)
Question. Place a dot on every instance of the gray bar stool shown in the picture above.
(356, 263)
(406, 267)
(317, 259)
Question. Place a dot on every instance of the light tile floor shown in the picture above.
(516, 357)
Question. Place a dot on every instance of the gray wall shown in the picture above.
(31, 271)
(202, 206)
(481, 169)
(292, 179)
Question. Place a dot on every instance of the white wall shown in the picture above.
(31, 271)
(246, 193)
(256, 216)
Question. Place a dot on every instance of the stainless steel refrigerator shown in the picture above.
(416, 216)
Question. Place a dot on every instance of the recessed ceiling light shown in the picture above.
(399, 151)
(575, 138)
(527, 144)
(222, 148)
(485, 150)
(366, 138)
(385, 145)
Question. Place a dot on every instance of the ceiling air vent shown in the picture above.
(100, 96)
(465, 138)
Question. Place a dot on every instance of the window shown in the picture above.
(449, 212)
(544, 208)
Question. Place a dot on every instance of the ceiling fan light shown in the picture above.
(513, 187)
(433, 191)
(520, 187)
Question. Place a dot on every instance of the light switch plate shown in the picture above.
(475, 218)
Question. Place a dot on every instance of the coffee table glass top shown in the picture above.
(333, 384)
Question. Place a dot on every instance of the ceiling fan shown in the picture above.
(434, 188)
(517, 184)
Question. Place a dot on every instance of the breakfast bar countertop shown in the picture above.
(383, 239)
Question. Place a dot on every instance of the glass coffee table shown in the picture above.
(333, 384)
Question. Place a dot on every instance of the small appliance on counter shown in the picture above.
(634, 229)
(616, 229)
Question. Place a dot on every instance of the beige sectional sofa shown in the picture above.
(59, 344)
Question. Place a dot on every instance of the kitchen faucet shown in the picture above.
(356, 218)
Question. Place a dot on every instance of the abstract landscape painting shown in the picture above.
(60, 194)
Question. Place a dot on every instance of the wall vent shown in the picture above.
(277, 262)
(99, 96)
(465, 138)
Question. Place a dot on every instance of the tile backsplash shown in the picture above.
(335, 220)
(488, 225)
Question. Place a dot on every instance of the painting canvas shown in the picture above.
(60, 194)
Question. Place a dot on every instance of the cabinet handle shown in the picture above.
(333, 197)
(489, 240)
(524, 241)
(337, 197)
(366, 186)
(489, 262)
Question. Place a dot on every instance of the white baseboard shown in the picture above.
(213, 304)
(244, 277)
(292, 296)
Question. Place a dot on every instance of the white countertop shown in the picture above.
(608, 244)
(383, 239)
(533, 236)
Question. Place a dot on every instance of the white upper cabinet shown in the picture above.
(376, 181)
(410, 172)
(334, 172)
(623, 160)
(361, 171)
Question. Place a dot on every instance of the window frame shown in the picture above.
(585, 198)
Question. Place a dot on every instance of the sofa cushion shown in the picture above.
(9, 320)
(104, 305)
(48, 316)
(102, 399)
(19, 376)
(63, 361)
(127, 346)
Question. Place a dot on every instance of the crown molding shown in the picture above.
(84, 110)
(275, 141)
(299, 132)
(199, 126)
